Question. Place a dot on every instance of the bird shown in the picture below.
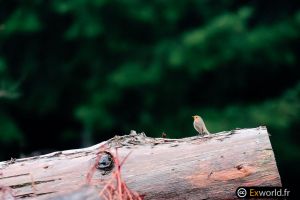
(199, 125)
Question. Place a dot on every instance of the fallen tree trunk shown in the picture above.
(209, 167)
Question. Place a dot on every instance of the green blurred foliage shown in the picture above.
(9, 131)
(74, 72)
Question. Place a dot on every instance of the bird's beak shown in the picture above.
(193, 116)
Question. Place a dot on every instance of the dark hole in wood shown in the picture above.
(106, 162)
(239, 167)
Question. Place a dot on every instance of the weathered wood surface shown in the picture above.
(189, 168)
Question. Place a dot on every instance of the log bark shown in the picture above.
(209, 167)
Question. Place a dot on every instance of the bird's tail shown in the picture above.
(206, 131)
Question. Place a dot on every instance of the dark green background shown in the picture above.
(77, 72)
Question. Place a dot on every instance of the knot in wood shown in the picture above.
(106, 162)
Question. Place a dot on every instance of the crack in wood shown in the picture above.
(30, 183)
(266, 149)
(31, 194)
(13, 176)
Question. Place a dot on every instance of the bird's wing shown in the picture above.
(198, 128)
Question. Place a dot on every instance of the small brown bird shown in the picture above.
(199, 125)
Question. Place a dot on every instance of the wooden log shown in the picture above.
(209, 167)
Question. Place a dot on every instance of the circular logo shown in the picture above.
(241, 192)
